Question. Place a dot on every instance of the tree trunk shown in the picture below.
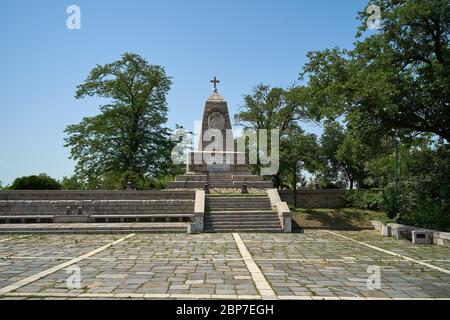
(295, 186)
(349, 176)
(276, 181)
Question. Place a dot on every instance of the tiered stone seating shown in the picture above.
(96, 206)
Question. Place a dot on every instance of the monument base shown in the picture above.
(218, 179)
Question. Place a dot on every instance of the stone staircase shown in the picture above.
(244, 213)
(220, 179)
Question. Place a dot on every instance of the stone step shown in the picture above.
(242, 225)
(253, 195)
(57, 228)
(237, 208)
(238, 221)
(249, 213)
(237, 200)
(241, 212)
(246, 229)
(247, 178)
(191, 178)
(256, 221)
(242, 218)
(238, 196)
(242, 201)
(222, 184)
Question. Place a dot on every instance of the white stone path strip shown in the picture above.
(42, 274)
(392, 253)
(186, 296)
(287, 260)
(190, 296)
(264, 288)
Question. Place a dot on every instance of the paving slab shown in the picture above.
(316, 264)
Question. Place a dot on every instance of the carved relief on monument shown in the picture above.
(216, 120)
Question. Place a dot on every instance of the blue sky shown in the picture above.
(241, 42)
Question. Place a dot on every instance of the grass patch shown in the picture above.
(342, 218)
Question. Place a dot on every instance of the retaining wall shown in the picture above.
(94, 194)
(329, 198)
(96, 206)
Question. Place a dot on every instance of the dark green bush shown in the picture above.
(424, 192)
(427, 214)
(40, 182)
(365, 199)
(136, 180)
(388, 205)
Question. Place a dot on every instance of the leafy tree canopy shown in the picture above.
(298, 151)
(127, 139)
(271, 108)
(395, 81)
(35, 182)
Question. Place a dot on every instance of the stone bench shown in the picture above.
(142, 218)
(428, 236)
(25, 218)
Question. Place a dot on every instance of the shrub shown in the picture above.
(365, 199)
(39, 182)
(428, 214)
(161, 182)
(388, 205)
(136, 180)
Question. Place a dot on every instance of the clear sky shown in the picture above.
(241, 42)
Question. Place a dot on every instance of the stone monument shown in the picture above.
(215, 162)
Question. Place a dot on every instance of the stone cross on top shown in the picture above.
(215, 81)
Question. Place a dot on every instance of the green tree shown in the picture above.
(344, 157)
(128, 135)
(298, 152)
(424, 188)
(72, 183)
(270, 108)
(35, 182)
(395, 81)
(330, 173)
(348, 156)
(353, 156)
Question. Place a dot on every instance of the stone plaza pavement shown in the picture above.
(311, 265)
